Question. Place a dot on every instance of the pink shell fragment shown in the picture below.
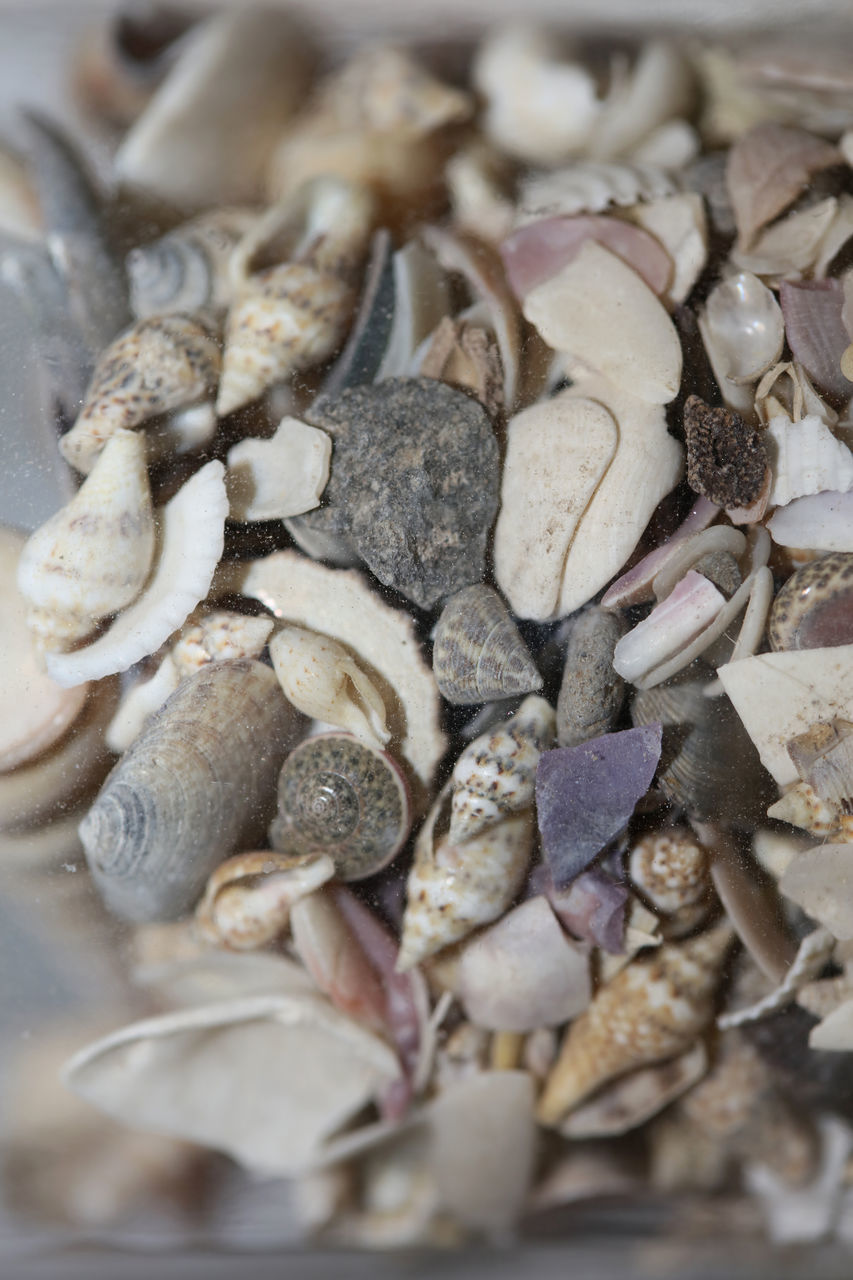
(585, 795)
(592, 908)
(815, 331)
(635, 586)
(691, 606)
(537, 251)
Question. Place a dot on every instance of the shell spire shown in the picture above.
(478, 653)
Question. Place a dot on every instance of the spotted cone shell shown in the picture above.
(478, 653)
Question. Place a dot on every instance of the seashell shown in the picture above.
(652, 1010)
(477, 183)
(187, 269)
(820, 521)
(679, 223)
(478, 654)
(204, 138)
(593, 908)
(92, 558)
(340, 604)
(496, 773)
(335, 959)
(466, 356)
(823, 757)
(281, 477)
(815, 332)
(632, 1099)
(767, 168)
(790, 247)
(453, 888)
(20, 214)
(600, 311)
(817, 881)
(190, 545)
(811, 610)
(345, 797)
(158, 826)
(786, 389)
(588, 186)
(421, 299)
(32, 725)
(801, 806)
(670, 868)
(162, 363)
(812, 956)
(322, 679)
(369, 332)
(218, 636)
(742, 328)
(658, 88)
(635, 586)
(591, 692)
(247, 899)
(673, 624)
(138, 703)
(538, 250)
(806, 458)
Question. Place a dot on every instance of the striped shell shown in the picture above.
(478, 654)
(187, 270)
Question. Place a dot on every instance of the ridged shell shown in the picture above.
(453, 888)
(806, 458)
(670, 868)
(321, 678)
(496, 774)
(814, 609)
(92, 558)
(589, 187)
(159, 364)
(653, 1009)
(187, 270)
(478, 654)
(219, 636)
(198, 782)
(591, 691)
(247, 899)
(347, 798)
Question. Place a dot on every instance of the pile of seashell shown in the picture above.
(446, 660)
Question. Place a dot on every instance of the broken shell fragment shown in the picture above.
(162, 363)
(690, 607)
(281, 477)
(344, 797)
(496, 773)
(538, 250)
(652, 1010)
(679, 223)
(321, 678)
(187, 269)
(157, 828)
(817, 881)
(218, 636)
(588, 186)
(192, 530)
(247, 899)
(478, 654)
(92, 558)
(335, 959)
(600, 311)
(632, 1099)
(767, 168)
(815, 332)
(814, 609)
(591, 691)
(823, 520)
(805, 458)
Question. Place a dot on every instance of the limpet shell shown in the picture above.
(344, 797)
(814, 609)
(478, 654)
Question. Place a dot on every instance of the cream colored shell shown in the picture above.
(321, 678)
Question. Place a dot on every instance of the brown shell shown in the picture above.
(814, 609)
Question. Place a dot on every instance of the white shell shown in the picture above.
(321, 677)
(192, 531)
(817, 880)
(658, 88)
(496, 773)
(691, 606)
(588, 187)
(835, 1032)
(812, 955)
(790, 247)
(92, 558)
(600, 311)
(340, 604)
(280, 477)
(818, 522)
(780, 695)
(806, 458)
(248, 899)
(680, 224)
(139, 702)
(742, 328)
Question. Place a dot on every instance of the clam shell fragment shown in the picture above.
(766, 170)
(281, 477)
(478, 654)
(805, 458)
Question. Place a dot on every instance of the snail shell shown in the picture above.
(478, 653)
(496, 774)
(187, 270)
(248, 898)
(653, 1009)
(92, 558)
(814, 609)
(591, 692)
(670, 868)
(159, 364)
(197, 783)
(347, 798)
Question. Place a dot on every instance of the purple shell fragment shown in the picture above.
(592, 909)
(586, 794)
(815, 331)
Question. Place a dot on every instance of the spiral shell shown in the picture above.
(478, 653)
(496, 774)
(653, 1009)
(92, 558)
(321, 678)
(670, 868)
(198, 782)
(814, 609)
(159, 364)
(187, 270)
(343, 797)
(247, 899)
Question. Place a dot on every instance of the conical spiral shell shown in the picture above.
(159, 364)
(188, 269)
(478, 653)
(92, 558)
(198, 783)
(653, 1009)
(496, 774)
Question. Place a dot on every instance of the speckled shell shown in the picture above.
(653, 1009)
(495, 775)
(159, 364)
(92, 558)
(453, 888)
(187, 270)
(803, 807)
(814, 609)
(478, 654)
(198, 783)
(347, 798)
(670, 868)
(247, 899)
(591, 692)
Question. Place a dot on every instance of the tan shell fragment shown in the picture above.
(766, 170)
(163, 363)
(600, 311)
(652, 1010)
(247, 899)
(92, 558)
(218, 636)
(670, 867)
(321, 678)
(281, 477)
(680, 224)
(557, 453)
(819, 880)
